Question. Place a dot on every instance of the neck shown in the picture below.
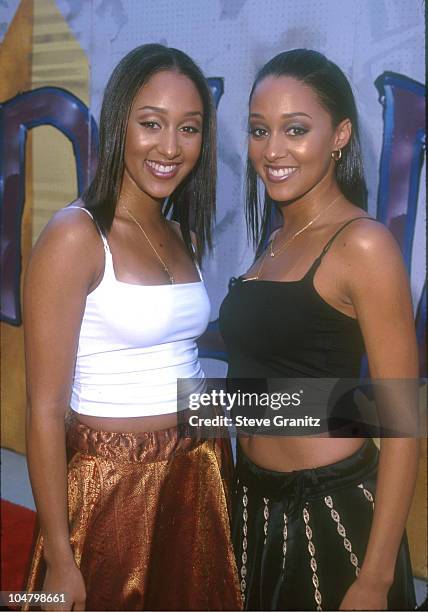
(296, 213)
(144, 208)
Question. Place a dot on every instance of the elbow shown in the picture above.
(42, 427)
(45, 412)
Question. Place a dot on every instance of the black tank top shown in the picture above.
(286, 329)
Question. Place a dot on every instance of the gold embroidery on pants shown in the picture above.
(342, 532)
(313, 562)
(244, 556)
(367, 494)
(266, 515)
(284, 540)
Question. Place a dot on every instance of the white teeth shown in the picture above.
(161, 167)
(281, 172)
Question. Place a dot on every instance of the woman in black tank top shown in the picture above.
(314, 527)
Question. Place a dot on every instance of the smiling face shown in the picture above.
(163, 136)
(291, 137)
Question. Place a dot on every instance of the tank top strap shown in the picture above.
(318, 260)
(196, 263)
(103, 238)
(195, 259)
(335, 235)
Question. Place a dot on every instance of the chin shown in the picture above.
(159, 192)
(284, 195)
(287, 193)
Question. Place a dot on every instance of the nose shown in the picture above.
(275, 148)
(169, 145)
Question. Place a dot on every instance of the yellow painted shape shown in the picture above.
(38, 50)
(15, 76)
(58, 61)
(417, 521)
(55, 182)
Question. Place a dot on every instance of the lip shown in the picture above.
(162, 170)
(280, 174)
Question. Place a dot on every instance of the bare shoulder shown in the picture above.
(366, 239)
(71, 242)
(71, 229)
(371, 259)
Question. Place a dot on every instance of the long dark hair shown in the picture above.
(194, 198)
(335, 95)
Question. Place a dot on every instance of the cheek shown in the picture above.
(192, 149)
(315, 147)
(255, 151)
(136, 143)
(131, 149)
(307, 151)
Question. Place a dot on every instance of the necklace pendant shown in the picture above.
(272, 254)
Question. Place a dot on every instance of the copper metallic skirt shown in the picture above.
(149, 521)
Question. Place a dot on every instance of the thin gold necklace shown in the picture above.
(161, 261)
(287, 243)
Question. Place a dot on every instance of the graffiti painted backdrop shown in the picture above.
(56, 57)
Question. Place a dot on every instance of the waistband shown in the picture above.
(311, 483)
(142, 447)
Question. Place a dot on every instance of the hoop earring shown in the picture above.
(337, 155)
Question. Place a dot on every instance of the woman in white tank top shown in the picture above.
(114, 303)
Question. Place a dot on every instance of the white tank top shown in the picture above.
(134, 342)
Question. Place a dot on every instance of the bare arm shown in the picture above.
(56, 285)
(379, 289)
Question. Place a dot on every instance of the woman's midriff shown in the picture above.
(129, 424)
(288, 454)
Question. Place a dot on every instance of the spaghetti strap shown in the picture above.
(84, 209)
(311, 272)
(333, 238)
(196, 263)
(103, 238)
(194, 252)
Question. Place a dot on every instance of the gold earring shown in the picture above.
(336, 155)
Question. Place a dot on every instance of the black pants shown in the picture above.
(300, 537)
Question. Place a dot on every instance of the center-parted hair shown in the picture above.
(334, 93)
(194, 199)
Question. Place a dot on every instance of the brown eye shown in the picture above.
(190, 129)
(150, 125)
(257, 132)
(297, 131)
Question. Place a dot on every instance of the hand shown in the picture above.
(364, 596)
(65, 579)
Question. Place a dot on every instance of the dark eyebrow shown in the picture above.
(284, 115)
(157, 109)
